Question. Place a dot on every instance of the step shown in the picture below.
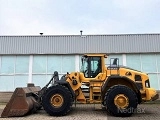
(97, 95)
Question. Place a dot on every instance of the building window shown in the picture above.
(14, 71)
(148, 63)
(39, 64)
(45, 65)
(22, 63)
(8, 64)
(133, 61)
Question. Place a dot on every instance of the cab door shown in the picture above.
(93, 67)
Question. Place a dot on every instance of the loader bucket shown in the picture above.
(22, 102)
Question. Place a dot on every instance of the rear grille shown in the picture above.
(138, 81)
(137, 78)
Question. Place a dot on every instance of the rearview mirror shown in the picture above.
(115, 61)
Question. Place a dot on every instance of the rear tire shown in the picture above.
(57, 100)
(120, 101)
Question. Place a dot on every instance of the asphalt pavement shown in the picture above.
(94, 112)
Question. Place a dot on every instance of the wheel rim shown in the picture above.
(121, 101)
(57, 100)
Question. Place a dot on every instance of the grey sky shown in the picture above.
(68, 17)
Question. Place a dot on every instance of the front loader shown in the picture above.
(118, 88)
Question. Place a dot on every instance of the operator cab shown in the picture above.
(91, 66)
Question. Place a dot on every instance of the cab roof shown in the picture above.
(96, 55)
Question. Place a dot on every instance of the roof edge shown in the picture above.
(123, 34)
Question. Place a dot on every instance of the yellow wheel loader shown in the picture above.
(118, 88)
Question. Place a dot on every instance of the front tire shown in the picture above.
(57, 100)
(120, 101)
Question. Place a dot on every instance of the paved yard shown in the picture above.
(94, 112)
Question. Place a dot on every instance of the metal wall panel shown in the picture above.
(72, 44)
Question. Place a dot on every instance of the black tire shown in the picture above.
(108, 111)
(124, 91)
(65, 96)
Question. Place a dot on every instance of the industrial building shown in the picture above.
(33, 59)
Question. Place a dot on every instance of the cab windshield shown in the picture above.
(84, 66)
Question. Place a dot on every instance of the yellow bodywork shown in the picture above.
(95, 84)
